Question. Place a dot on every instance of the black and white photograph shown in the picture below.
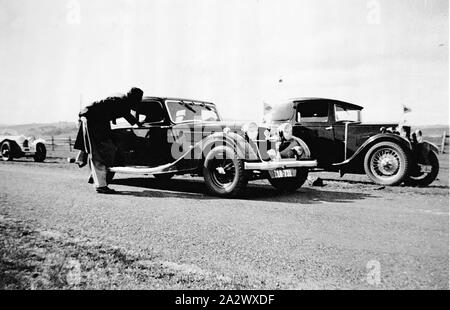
(239, 146)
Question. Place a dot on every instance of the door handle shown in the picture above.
(329, 128)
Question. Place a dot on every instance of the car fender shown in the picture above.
(429, 146)
(231, 139)
(15, 147)
(355, 161)
(306, 151)
(37, 141)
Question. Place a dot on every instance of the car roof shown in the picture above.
(342, 103)
(150, 98)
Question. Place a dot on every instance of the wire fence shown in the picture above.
(59, 143)
(444, 142)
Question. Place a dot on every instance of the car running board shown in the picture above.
(144, 169)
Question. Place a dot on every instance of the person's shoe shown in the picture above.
(105, 190)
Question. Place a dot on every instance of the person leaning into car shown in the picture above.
(94, 138)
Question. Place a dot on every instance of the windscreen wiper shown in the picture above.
(186, 105)
(205, 106)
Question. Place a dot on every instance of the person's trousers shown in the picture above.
(98, 172)
(96, 149)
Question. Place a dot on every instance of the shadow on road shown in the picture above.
(196, 189)
(31, 161)
(373, 184)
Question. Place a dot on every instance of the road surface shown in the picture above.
(345, 235)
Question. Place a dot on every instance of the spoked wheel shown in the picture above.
(224, 173)
(6, 151)
(425, 173)
(386, 163)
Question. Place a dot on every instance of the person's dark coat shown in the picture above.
(98, 116)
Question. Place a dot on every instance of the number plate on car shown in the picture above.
(426, 169)
(283, 173)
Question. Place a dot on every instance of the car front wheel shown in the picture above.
(290, 184)
(386, 163)
(5, 150)
(425, 173)
(224, 172)
(41, 153)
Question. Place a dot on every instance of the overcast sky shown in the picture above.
(380, 54)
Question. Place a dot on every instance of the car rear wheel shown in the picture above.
(425, 174)
(290, 184)
(41, 153)
(386, 163)
(224, 172)
(5, 150)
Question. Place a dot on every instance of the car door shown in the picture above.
(152, 144)
(314, 125)
(146, 144)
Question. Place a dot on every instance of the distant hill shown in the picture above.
(64, 129)
(432, 130)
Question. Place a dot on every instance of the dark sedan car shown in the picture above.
(389, 154)
(181, 136)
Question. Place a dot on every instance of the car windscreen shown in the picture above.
(279, 111)
(314, 111)
(185, 111)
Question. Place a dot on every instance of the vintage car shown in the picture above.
(13, 145)
(181, 136)
(388, 153)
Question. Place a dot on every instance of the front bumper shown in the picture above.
(280, 164)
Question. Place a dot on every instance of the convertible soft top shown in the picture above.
(347, 105)
(150, 98)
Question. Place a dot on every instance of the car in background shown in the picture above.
(13, 145)
(388, 154)
(183, 136)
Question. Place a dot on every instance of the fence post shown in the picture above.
(70, 144)
(444, 137)
(53, 143)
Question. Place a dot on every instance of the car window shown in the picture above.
(184, 111)
(122, 122)
(315, 111)
(342, 114)
(151, 112)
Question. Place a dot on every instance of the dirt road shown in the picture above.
(348, 234)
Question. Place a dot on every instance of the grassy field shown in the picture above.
(32, 258)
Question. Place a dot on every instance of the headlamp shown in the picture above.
(285, 130)
(251, 129)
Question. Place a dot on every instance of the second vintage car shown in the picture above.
(388, 153)
(14, 145)
(181, 136)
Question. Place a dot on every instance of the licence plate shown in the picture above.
(285, 173)
(424, 168)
